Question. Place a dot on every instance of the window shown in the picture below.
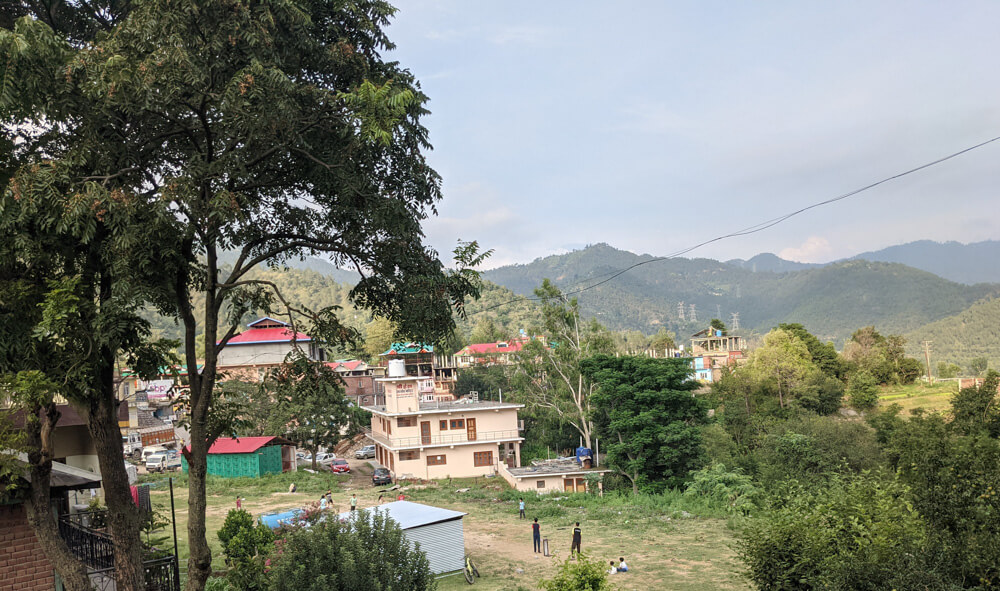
(409, 455)
(482, 458)
(458, 423)
(406, 422)
(539, 484)
(437, 460)
(444, 425)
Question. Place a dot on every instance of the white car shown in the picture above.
(367, 451)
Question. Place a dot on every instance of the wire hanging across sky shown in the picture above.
(611, 275)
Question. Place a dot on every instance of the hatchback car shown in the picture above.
(340, 466)
(367, 451)
(381, 477)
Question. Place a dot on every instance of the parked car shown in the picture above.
(381, 476)
(161, 462)
(325, 458)
(367, 451)
(340, 466)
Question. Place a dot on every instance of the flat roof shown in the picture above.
(409, 514)
(432, 407)
(553, 468)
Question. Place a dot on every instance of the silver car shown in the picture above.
(367, 451)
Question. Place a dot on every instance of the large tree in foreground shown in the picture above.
(647, 417)
(270, 129)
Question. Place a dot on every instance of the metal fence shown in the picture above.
(160, 574)
(446, 439)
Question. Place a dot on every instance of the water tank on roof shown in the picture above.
(397, 368)
(581, 453)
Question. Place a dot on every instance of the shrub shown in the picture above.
(241, 538)
(862, 390)
(581, 574)
(733, 490)
(821, 394)
(365, 553)
(856, 533)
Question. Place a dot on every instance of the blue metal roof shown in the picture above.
(409, 514)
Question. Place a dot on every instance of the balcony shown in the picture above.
(94, 548)
(460, 438)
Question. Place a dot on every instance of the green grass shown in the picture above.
(934, 397)
(671, 542)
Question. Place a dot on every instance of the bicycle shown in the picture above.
(470, 570)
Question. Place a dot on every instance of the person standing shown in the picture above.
(536, 535)
(329, 497)
(354, 502)
(239, 503)
(520, 508)
(577, 536)
(322, 503)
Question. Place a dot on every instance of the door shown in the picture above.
(470, 429)
(581, 485)
(425, 432)
(568, 485)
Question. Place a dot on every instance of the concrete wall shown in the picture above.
(550, 483)
(262, 354)
(459, 462)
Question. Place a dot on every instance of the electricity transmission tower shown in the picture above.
(692, 314)
(734, 321)
(680, 310)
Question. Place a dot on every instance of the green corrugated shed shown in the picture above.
(266, 460)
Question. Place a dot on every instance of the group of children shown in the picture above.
(536, 537)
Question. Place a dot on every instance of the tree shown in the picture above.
(975, 408)
(648, 418)
(270, 130)
(784, 361)
(309, 404)
(549, 373)
(719, 325)
(379, 336)
(862, 390)
(824, 355)
(662, 340)
(948, 370)
(365, 553)
(979, 365)
(486, 331)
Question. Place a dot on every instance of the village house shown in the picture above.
(712, 350)
(359, 379)
(556, 475)
(439, 371)
(264, 346)
(418, 436)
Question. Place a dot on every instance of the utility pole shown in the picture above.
(927, 357)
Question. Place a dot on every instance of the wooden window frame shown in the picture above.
(437, 460)
(457, 424)
(444, 425)
(406, 422)
(476, 461)
(409, 455)
(539, 484)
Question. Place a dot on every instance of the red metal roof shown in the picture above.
(490, 348)
(242, 445)
(268, 335)
(350, 365)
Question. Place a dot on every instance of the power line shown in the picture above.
(611, 275)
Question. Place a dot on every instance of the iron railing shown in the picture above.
(161, 574)
(445, 439)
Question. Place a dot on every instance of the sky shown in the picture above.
(653, 126)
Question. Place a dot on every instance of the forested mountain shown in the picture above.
(974, 332)
(832, 300)
(771, 262)
(964, 263)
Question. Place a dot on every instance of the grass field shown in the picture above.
(930, 397)
(669, 541)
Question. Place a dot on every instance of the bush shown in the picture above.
(821, 394)
(862, 390)
(366, 553)
(856, 533)
(733, 490)
(243, 539)
(581, 574)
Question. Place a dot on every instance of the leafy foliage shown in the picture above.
(862, 391)
(645, 412)
(365, 553)
(733, 490)
(582, 574)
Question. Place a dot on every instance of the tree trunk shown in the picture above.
(200, 559)
(39, 508)
(124, 520)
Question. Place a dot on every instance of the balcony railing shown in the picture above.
(444, 439)
(95, 549)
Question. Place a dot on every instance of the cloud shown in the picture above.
(523, 35)
(815, 249)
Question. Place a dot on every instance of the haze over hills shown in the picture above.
(972, 263)
(973, 332)
(831, 300)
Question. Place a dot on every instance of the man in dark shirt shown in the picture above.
(536, 535)
(576, 539)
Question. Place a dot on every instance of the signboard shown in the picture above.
(159, 389)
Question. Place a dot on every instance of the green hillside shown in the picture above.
(832, 301)
(973, 332)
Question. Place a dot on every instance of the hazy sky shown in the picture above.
(655, 125)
